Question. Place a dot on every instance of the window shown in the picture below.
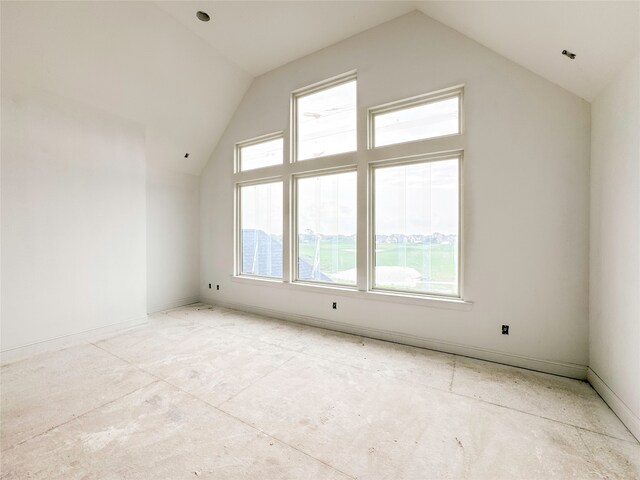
(416, 227)
(330, 215)
(326, 228)
(325, 119)
(259, 152)
(430, 116)
(260, 236)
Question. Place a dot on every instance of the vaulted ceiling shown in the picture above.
(158, 65)
(603, 34)
(262, 35)
(130, 59)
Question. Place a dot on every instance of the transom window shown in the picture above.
(332, 216)
(325, 119)
(427, 116)
(260, 152)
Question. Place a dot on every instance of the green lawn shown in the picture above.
(437, 260)
(335, 256)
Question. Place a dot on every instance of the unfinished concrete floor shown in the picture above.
(219, 394)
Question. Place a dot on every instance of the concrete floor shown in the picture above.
(213, 393)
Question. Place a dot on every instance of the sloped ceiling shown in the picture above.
(603, 34)
(182, 79)
(262, 35)
(130, 59)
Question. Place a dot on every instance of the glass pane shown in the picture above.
(261, 229)
(417, 123)
(261, 154)
(416, 227)
(327, 228)
(327, 122)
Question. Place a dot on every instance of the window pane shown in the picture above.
(326, 122)
(430, 120)
(261, 154)
(416, 227)
(327, 228)
(261, 229)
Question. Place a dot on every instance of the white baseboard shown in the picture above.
(176, 303)
(547, 366)
(24, 351)
(624, 413)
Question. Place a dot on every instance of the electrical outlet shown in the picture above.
(217, 287)
(505, 329)
(335, 305)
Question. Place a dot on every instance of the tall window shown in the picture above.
(416, 227)
(298, 217)
(325, 119)
(261, 229)
(326, 226)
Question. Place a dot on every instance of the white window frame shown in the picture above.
(412, 160)
(237, 241)
(237, 160)
(419, 100)
(364, 160)
(309, 90)
(294, 225)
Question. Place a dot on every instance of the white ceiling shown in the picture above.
(130, 59)
(262, 35)
(603, 34)
(182, 79)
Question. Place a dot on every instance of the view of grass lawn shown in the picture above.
(335, 255)
(436, 260)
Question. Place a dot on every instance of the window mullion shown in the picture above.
(286, 227)
(364, 232)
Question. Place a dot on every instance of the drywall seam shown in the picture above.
(624, 413)
(18, 353)
(547, 366)
(176, 303)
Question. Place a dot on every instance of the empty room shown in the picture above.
(320, 240)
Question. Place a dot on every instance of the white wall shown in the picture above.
(526, 187)
(78, 131)
(614, 346)
(73, 219)
(173, 239)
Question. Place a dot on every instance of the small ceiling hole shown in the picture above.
(186, 155)
(569, 54)
(203, 16)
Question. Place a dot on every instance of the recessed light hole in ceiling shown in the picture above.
(203, 16)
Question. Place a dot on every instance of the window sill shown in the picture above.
(423, 300)
(352, 292)
(257, 280)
